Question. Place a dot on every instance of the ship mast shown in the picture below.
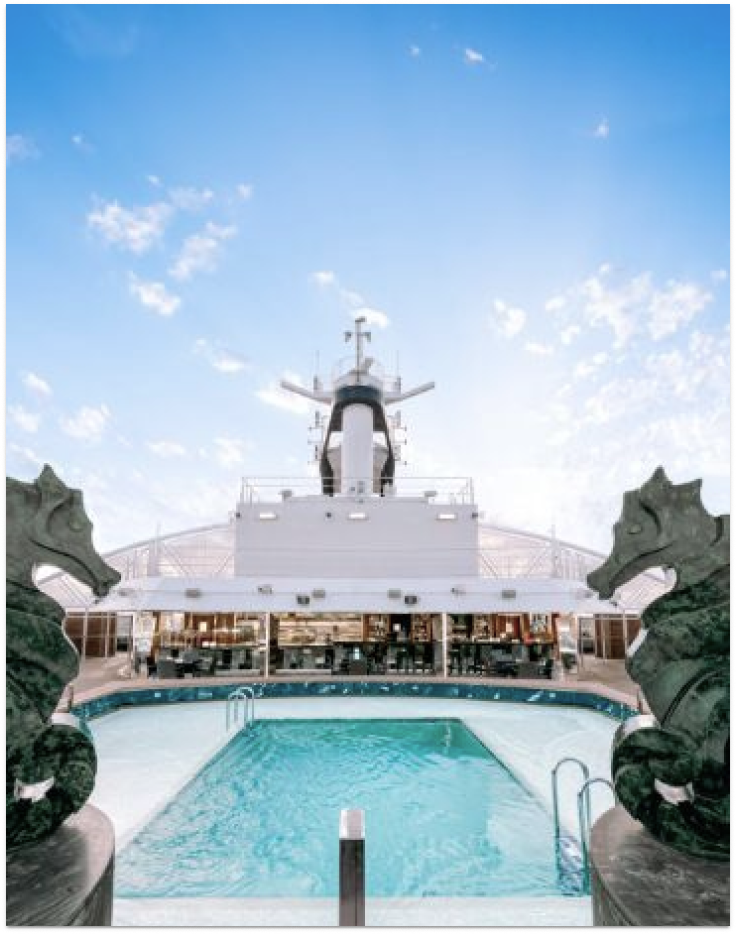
(359, 447)
(360, 335)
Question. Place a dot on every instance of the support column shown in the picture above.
(267, 659)
(85, 627)
(107, 634)
(605, 622)
(579, 641)
(131, 649)
(444, 645)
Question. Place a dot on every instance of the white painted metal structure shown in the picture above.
(358, 539)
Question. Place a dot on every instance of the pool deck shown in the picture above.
(380, 912)
(608, 678)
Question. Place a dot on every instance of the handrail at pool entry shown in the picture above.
(244, 694)
(584, 821)
(555, 792)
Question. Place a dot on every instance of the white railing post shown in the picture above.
(444, 645)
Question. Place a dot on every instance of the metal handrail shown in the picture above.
(555, 795)
(244, 694)
(584, 819)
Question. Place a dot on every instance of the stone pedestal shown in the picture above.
(636, 880)
(67, 878)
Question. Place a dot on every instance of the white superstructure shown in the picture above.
(353, 554)
(362, 524)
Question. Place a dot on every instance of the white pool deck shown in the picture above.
(173, 742)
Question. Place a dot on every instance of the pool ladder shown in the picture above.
(245, 698)
(584, 812)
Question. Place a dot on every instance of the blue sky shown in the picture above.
(531, 202)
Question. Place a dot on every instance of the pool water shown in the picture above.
(443, 818)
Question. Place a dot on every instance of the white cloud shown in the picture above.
(568, 334)
(153, 295)
(200, 251)
(324, 278)
(539, 350)
(675, 305)
(81, 143)
(706, 347)
(274, 395)
(135, 229)
(226, 361)
(620, 307)
(167, 448)
(586, 368)
(88, 424)
(583, 370)
(36, 384)
(191, 199)
(19, 148)
(25, 420)
(471, 57)
(229, 451)
(602, 130)
(629, 306)
(719, 275)
(25, 455)
(507, 320)
(693, 379)
(415, 51)
(556, 303)
(372, 316)
(245, 191)
(353, 299)
(153, 180)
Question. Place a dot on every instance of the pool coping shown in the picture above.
(532, 911)
(588, 695)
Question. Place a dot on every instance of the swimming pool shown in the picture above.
(444, 818)
(149, 756)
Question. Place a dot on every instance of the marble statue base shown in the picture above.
(65, 879)
(636, 880)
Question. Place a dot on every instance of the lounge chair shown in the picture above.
(166, 668)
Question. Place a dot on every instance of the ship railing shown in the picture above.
(439, 490)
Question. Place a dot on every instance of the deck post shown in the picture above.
(352, 868)
(85, 626)
(267, 653)
(444, 645)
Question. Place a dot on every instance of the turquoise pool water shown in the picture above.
(443, 817)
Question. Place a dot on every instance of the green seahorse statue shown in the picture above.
(50, 758)
(671, 768)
